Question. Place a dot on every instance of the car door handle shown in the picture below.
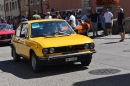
(18, 39)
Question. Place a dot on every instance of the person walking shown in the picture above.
(121, 23)
(93, 18)
(108, 21)
(36, 16)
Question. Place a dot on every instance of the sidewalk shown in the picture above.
(117, 36)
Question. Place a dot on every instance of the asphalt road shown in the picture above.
(109, 67)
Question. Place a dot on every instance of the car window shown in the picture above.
(49, 27)
(17, 33)
(4, 26)
(24, 30)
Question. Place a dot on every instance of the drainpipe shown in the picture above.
(29, 15)
(19, 7)
(4, 9)
(42, 6)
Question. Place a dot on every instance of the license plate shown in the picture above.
(71, 59)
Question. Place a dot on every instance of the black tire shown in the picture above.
(15, 56)
(36, 66)
(88, 61)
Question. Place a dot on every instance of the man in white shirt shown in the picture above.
(48, 16)
(72, 20)
(108, 21)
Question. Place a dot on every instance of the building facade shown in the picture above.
(122, 3)
(2, 10)
(24, 7)
(11, 9)
(61, 5)
(35, 5)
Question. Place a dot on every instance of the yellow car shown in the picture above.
(49, 42)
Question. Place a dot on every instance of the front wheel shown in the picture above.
(88, 61)
(15, 56)
(36, 66)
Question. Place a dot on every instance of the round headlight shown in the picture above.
(86, 46)
(51, 50)
(45, 51)
(92, 45)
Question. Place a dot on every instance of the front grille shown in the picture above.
(8, 36)
(69, 49)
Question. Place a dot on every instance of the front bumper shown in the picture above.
(60, 59)
(5, 41)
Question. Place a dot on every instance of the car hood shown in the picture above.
(74, 39)
(4, 32)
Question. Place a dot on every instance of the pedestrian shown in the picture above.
(108, 21)
(48, 16)
(79, 15)
(24, 18)
(72, 20)
(58, 16)
(93, 18)
(121, 23)
(85, 27)
(102, 22)
(15, 23)
(1, 20)
(4, 21)
(84, 17)
(36, 16)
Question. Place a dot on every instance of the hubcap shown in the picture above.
(33, 62)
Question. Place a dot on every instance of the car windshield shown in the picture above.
(4, 26)
(50, 28)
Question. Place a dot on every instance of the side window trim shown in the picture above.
(26, 30)
(20, 25)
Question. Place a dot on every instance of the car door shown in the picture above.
(23, 46)
(16, 38)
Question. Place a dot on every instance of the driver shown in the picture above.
(54, 29)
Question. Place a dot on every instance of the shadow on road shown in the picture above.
(119, 80)
(23, 69)
(111, 42)
(4, 45)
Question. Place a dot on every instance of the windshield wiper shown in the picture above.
(60, 33)
(41, 35)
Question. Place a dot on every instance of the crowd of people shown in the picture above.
(103, 21)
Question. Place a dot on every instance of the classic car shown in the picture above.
(6, 33)
(50, 42)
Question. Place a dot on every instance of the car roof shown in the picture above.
(42, 20)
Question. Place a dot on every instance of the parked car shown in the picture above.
(6, 33)
(50, 42)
